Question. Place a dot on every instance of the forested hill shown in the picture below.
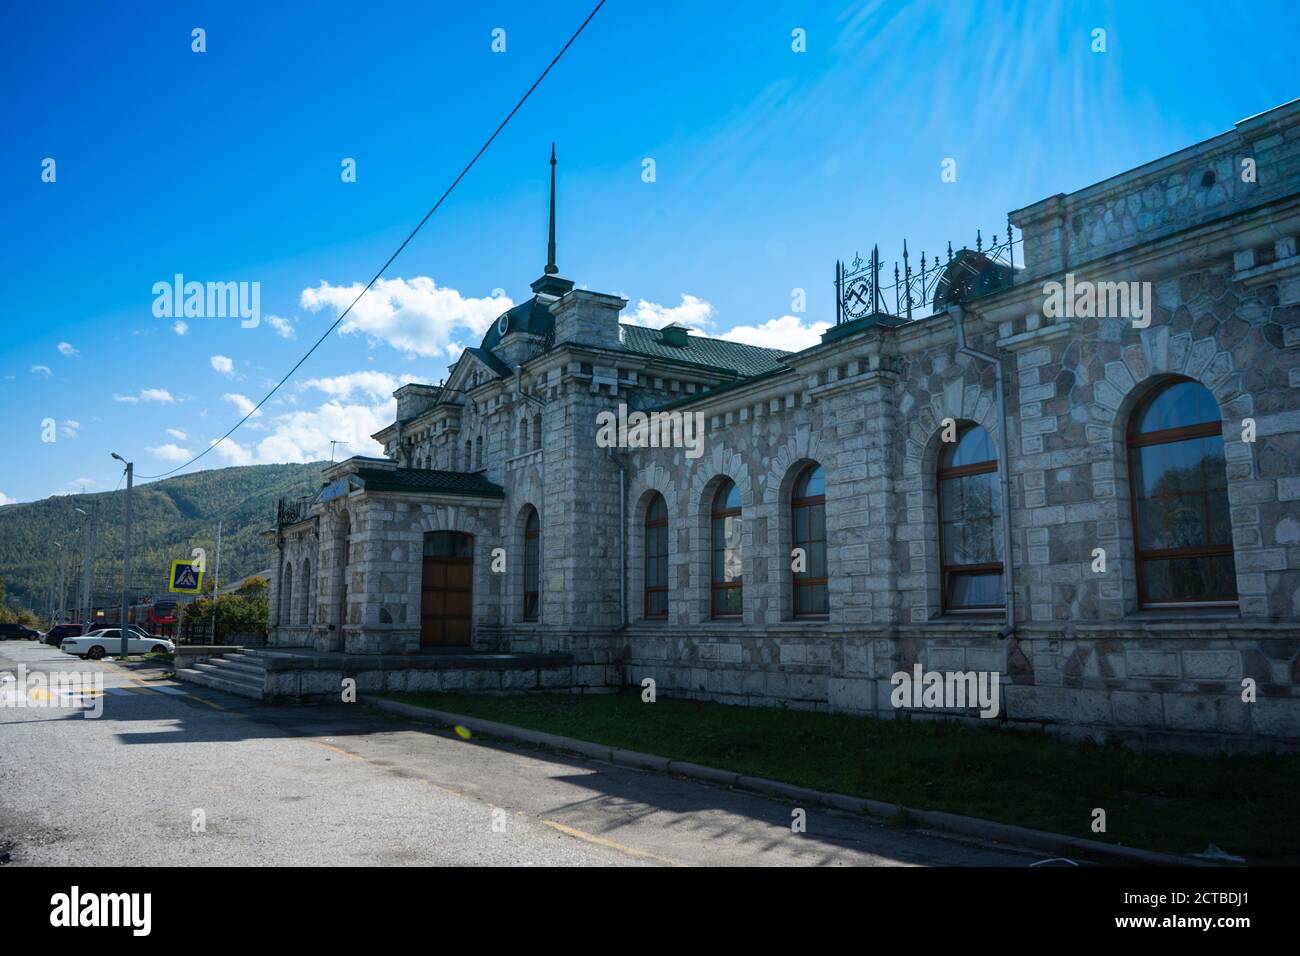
(168, 519)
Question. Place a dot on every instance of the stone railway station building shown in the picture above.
(1118, 538)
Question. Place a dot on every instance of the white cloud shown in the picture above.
(159, 395)
(413, 315)
(305, 435)
(170, 452)
(223, 364)
(231, 452)
(283, 327)
(70, 427)
(6, 500)
(67, 350)
(357, 405)
(40, 370)
(180, 328)
(693, 312)
(375, 385)
(241, 402)
(788, 333)
(177, 434)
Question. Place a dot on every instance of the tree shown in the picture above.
(243, 612)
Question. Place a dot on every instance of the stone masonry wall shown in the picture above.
(1084, 659)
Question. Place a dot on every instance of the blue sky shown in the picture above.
(225, 166)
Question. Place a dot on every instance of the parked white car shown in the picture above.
(108, 641)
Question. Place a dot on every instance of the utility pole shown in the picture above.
(216, 586)
(86, 566)
(63, 589)
(126, 553)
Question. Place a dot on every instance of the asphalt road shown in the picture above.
(344, 785)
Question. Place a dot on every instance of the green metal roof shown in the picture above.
(718, 390)
(490, 360)
(746, 360)
(425, 481)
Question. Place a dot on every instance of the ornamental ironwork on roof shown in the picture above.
(292, 510)
(918, 292)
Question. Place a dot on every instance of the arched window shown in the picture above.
(469, 455)
(656, 558)
(727, 558)
(808, 532)
(532, 565)
(478, 452)
(286, 594)
(537, 431)
(523, 436)
(970, 523)
(305, 610)
(1180, 499)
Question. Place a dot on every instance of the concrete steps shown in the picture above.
(234, 673)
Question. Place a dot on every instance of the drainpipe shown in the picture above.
(957, 313)
(622, 537)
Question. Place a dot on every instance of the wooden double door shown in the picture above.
(447, 589)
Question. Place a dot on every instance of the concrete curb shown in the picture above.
(929, 819)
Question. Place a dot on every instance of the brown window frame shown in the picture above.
(715, 585)
(797, 583)
(532, 542)
(1167, 436)
(654, 524)
(947, 571)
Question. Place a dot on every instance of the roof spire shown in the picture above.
(551, 268)
(550, 283)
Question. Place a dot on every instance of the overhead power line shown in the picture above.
(405, 242)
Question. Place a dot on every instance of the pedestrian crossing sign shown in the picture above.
(185, 579)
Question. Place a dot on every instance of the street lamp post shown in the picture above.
(126, 552)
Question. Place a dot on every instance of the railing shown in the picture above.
(292, 510)
(962, 275)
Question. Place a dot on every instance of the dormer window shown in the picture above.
(674, 334)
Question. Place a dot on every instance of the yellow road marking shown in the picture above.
(144, 688)
(339, 750)
(610, 844)
(553, 824)
(123, 671)
(40, 693)
(427, 783)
